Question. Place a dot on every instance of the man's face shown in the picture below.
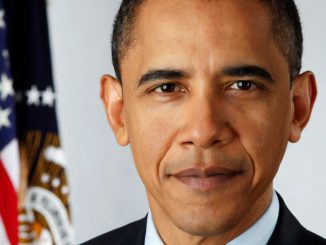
(207, 109)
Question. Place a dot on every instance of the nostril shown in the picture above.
(188, 143)
(204, 146)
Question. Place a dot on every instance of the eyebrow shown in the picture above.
(248, 70)
(237, 71)
(161, 74)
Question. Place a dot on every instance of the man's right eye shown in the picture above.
(168, 88)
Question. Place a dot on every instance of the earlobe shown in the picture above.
(304, 93)
(111, 96)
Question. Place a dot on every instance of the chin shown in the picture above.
(205, 222)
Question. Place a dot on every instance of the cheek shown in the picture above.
(264, 136)
(150, 135)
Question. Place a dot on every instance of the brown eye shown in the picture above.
(167, 88)
(243, 85)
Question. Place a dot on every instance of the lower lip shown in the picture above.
(206, 183)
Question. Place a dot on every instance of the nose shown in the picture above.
(205, 123)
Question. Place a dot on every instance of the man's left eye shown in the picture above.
(243, 85)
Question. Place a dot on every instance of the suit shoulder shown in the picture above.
(131, 232)
(314, 238)
(288, 230)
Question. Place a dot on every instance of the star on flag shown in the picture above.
(6, 87)
(48, 97)
(4, 118)
(33, 96)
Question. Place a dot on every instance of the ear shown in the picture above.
(111, 96)
(304, 93)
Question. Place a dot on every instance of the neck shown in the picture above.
(171, 234)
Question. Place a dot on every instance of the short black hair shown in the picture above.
(286, 27)
(287, 32)
(122, 32)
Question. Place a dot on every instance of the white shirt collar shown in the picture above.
(259, 233)
(152, 237)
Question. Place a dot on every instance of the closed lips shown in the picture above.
(206, 179)
(206, 172)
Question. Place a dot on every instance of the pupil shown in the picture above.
(168, 87)
(244, 85)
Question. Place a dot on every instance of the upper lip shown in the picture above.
(206, 172)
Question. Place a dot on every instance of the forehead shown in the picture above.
(176, 9)
(170, 29)
(227, 17)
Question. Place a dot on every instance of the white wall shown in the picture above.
(106, 191)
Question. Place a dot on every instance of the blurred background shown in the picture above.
(105, 190)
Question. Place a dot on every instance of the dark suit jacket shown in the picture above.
(288, 231)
